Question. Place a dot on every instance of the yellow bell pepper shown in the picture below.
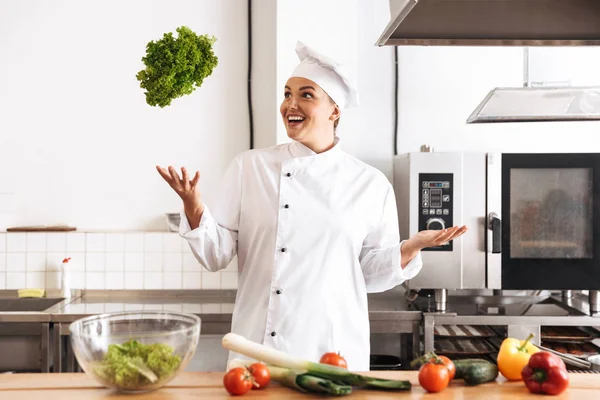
(514, 354)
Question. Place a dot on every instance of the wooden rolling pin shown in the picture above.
(42, 228)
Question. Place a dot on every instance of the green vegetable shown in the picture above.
(134, 365)
(176, 66)
(277, 358)
(478, 373)
(465, 364)
(307, 383)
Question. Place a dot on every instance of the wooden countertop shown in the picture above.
(202, 385)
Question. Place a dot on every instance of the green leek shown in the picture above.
(277, 358)
(307, 383)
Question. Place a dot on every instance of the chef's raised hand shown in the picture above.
(188, 190)
(433, 238)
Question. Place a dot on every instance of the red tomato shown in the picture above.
(237, 381)
(434, 377)
(261, 374)
(334, 359)
(449, 364)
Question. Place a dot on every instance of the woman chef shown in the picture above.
(314, 228)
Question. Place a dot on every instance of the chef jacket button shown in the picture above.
(287, 206)
(288, 174)
(278, 291)
(273, 333)
(283, 249)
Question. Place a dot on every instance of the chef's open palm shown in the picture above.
(186, 188)
(432, 238)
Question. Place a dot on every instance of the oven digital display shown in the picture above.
(435, 205)
(436, 198)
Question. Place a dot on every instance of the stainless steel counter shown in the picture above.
(48, 326)
(209, 305)
(213, 305)
(388, 313)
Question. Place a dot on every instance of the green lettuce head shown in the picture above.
(176, 66)
(133, 365)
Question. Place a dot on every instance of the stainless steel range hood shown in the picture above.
(527, 23)
(552, 89)
(492, 23)
(543, 104)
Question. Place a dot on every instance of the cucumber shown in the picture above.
(462, 365)
(475, 371)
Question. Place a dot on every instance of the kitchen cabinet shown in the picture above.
(25, 333)
(210, 355)
(25, 346)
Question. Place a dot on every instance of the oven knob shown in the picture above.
(435, 224)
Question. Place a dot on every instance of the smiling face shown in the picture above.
(309, 114)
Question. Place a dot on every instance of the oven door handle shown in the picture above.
(495, 225)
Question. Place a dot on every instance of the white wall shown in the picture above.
(368, 133)
(324, 25)
(440, 87)
(79, 144)
(264, 73)
(347, 34)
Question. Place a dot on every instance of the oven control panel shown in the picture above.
(436, 200)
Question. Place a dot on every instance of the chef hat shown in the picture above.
(326, 73)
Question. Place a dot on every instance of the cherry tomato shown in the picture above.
(434, 377)
(237, 381)
(449, 364)
(261, 374)
(334, 359)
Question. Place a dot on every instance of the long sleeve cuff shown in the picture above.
(392, 274)
(186, 231)
(413, 267)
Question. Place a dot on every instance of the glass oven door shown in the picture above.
(550, 229)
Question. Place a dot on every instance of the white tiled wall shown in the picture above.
(93, 308)
(136, 260)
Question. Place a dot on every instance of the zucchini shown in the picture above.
(463, 364)
(475, 371)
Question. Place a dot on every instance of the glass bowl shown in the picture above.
(135, 351)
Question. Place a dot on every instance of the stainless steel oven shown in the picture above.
(534, 219)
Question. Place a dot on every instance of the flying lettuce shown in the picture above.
(176, 66)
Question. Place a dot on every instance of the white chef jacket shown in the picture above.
(313, 234)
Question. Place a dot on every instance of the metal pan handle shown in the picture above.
(567, 358)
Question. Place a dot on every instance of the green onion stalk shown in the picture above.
(299, 367)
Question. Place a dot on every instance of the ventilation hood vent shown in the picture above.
(538, 105)
(565, 87)
(492, 23)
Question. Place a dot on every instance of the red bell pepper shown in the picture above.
(545, 373)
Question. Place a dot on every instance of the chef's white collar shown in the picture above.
(299, 150)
